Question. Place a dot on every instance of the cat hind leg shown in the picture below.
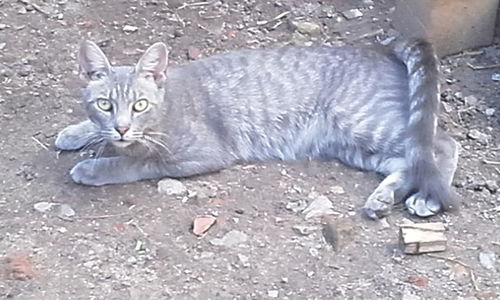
(446, 153)
(77, 136)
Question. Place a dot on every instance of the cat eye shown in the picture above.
(140, 105)
(104, 104)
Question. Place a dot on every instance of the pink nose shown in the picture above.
(122, 130)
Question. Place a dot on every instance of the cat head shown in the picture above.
(124, 101)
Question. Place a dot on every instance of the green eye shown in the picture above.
(104, 104)
(140, 105)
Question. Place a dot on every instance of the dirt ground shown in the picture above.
(132, 242)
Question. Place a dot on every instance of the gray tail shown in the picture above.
(424, 176)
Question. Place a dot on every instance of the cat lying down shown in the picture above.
(373, 109)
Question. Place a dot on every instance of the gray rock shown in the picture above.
(321, 206)
(487, 259)
(471, 100)
(66, 211)
(43, 206)
(495, 77)
(352, 14)
(171, 187)
(492, 186)
(309, 28)
(477, 135)
(230, 239)
(490, 112)
(130, 29)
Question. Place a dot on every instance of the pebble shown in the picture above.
(309, 28)
(321, 206)
(243, 259)
(352, 14)
(487, 259)
(2, 46)
(273, 293)
(489, 112)
(202, 224)
(492, 186)
(304, 230)
(193, 52)
(3, 26)
(495, 77)
(230, 239)
(130, 29)
(66, 211)
(43, 206)
(296, 206)
(477, 135)
(171, 187)
(338, 190)
(471, 100)
(459, 274)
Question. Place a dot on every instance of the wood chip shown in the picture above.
(19, 267)
(423, 238)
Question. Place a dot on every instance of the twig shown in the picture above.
(195, 4)
(40, 143)
(101, 216)
(36, 7)
(280, 16)
(451, 259)
(484, 67)
(473, 279)
(368, 35)
(491, 162)
(468, 53)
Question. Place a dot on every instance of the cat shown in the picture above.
(371, 108)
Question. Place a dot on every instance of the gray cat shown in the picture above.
(373, 109)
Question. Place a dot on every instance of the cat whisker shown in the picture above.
(158, 143)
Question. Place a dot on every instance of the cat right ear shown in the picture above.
(153, 63)
(93, 63)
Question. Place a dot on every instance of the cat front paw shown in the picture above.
(77, 136)
(422, 207)
(87, 172)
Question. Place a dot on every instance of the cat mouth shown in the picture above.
(121, 143)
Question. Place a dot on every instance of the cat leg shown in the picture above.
(123, 169)
(446, 153)
(78, 136)
(381, 201)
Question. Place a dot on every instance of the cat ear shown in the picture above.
(93, 63)
(153, 62)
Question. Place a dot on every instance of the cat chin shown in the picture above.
(122, 143)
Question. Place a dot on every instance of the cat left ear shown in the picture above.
(153, 63)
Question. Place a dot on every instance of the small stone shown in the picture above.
(22, 10)
(273, 293)
(352, 14)
(230, 239)
(3, 26)
(459, 274)
(2, 46)
(193, 52)
(492, 186)
(490, 112)
(477, 135)
(202, 224)
(43, 206)
(304, 230)
(487, 259)
(243, 259)
(338, 190)
(321, 206)
(495, 77)
(130, 29)
(206, 254)
(296, 206)
(471, 100)
(306, 27)
(171, 187)
(66, 211)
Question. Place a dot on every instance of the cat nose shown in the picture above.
(122, 130)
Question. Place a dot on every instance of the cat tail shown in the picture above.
(425, 180)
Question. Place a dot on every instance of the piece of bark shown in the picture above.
(423, 238)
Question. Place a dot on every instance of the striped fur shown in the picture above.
(374, 109)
